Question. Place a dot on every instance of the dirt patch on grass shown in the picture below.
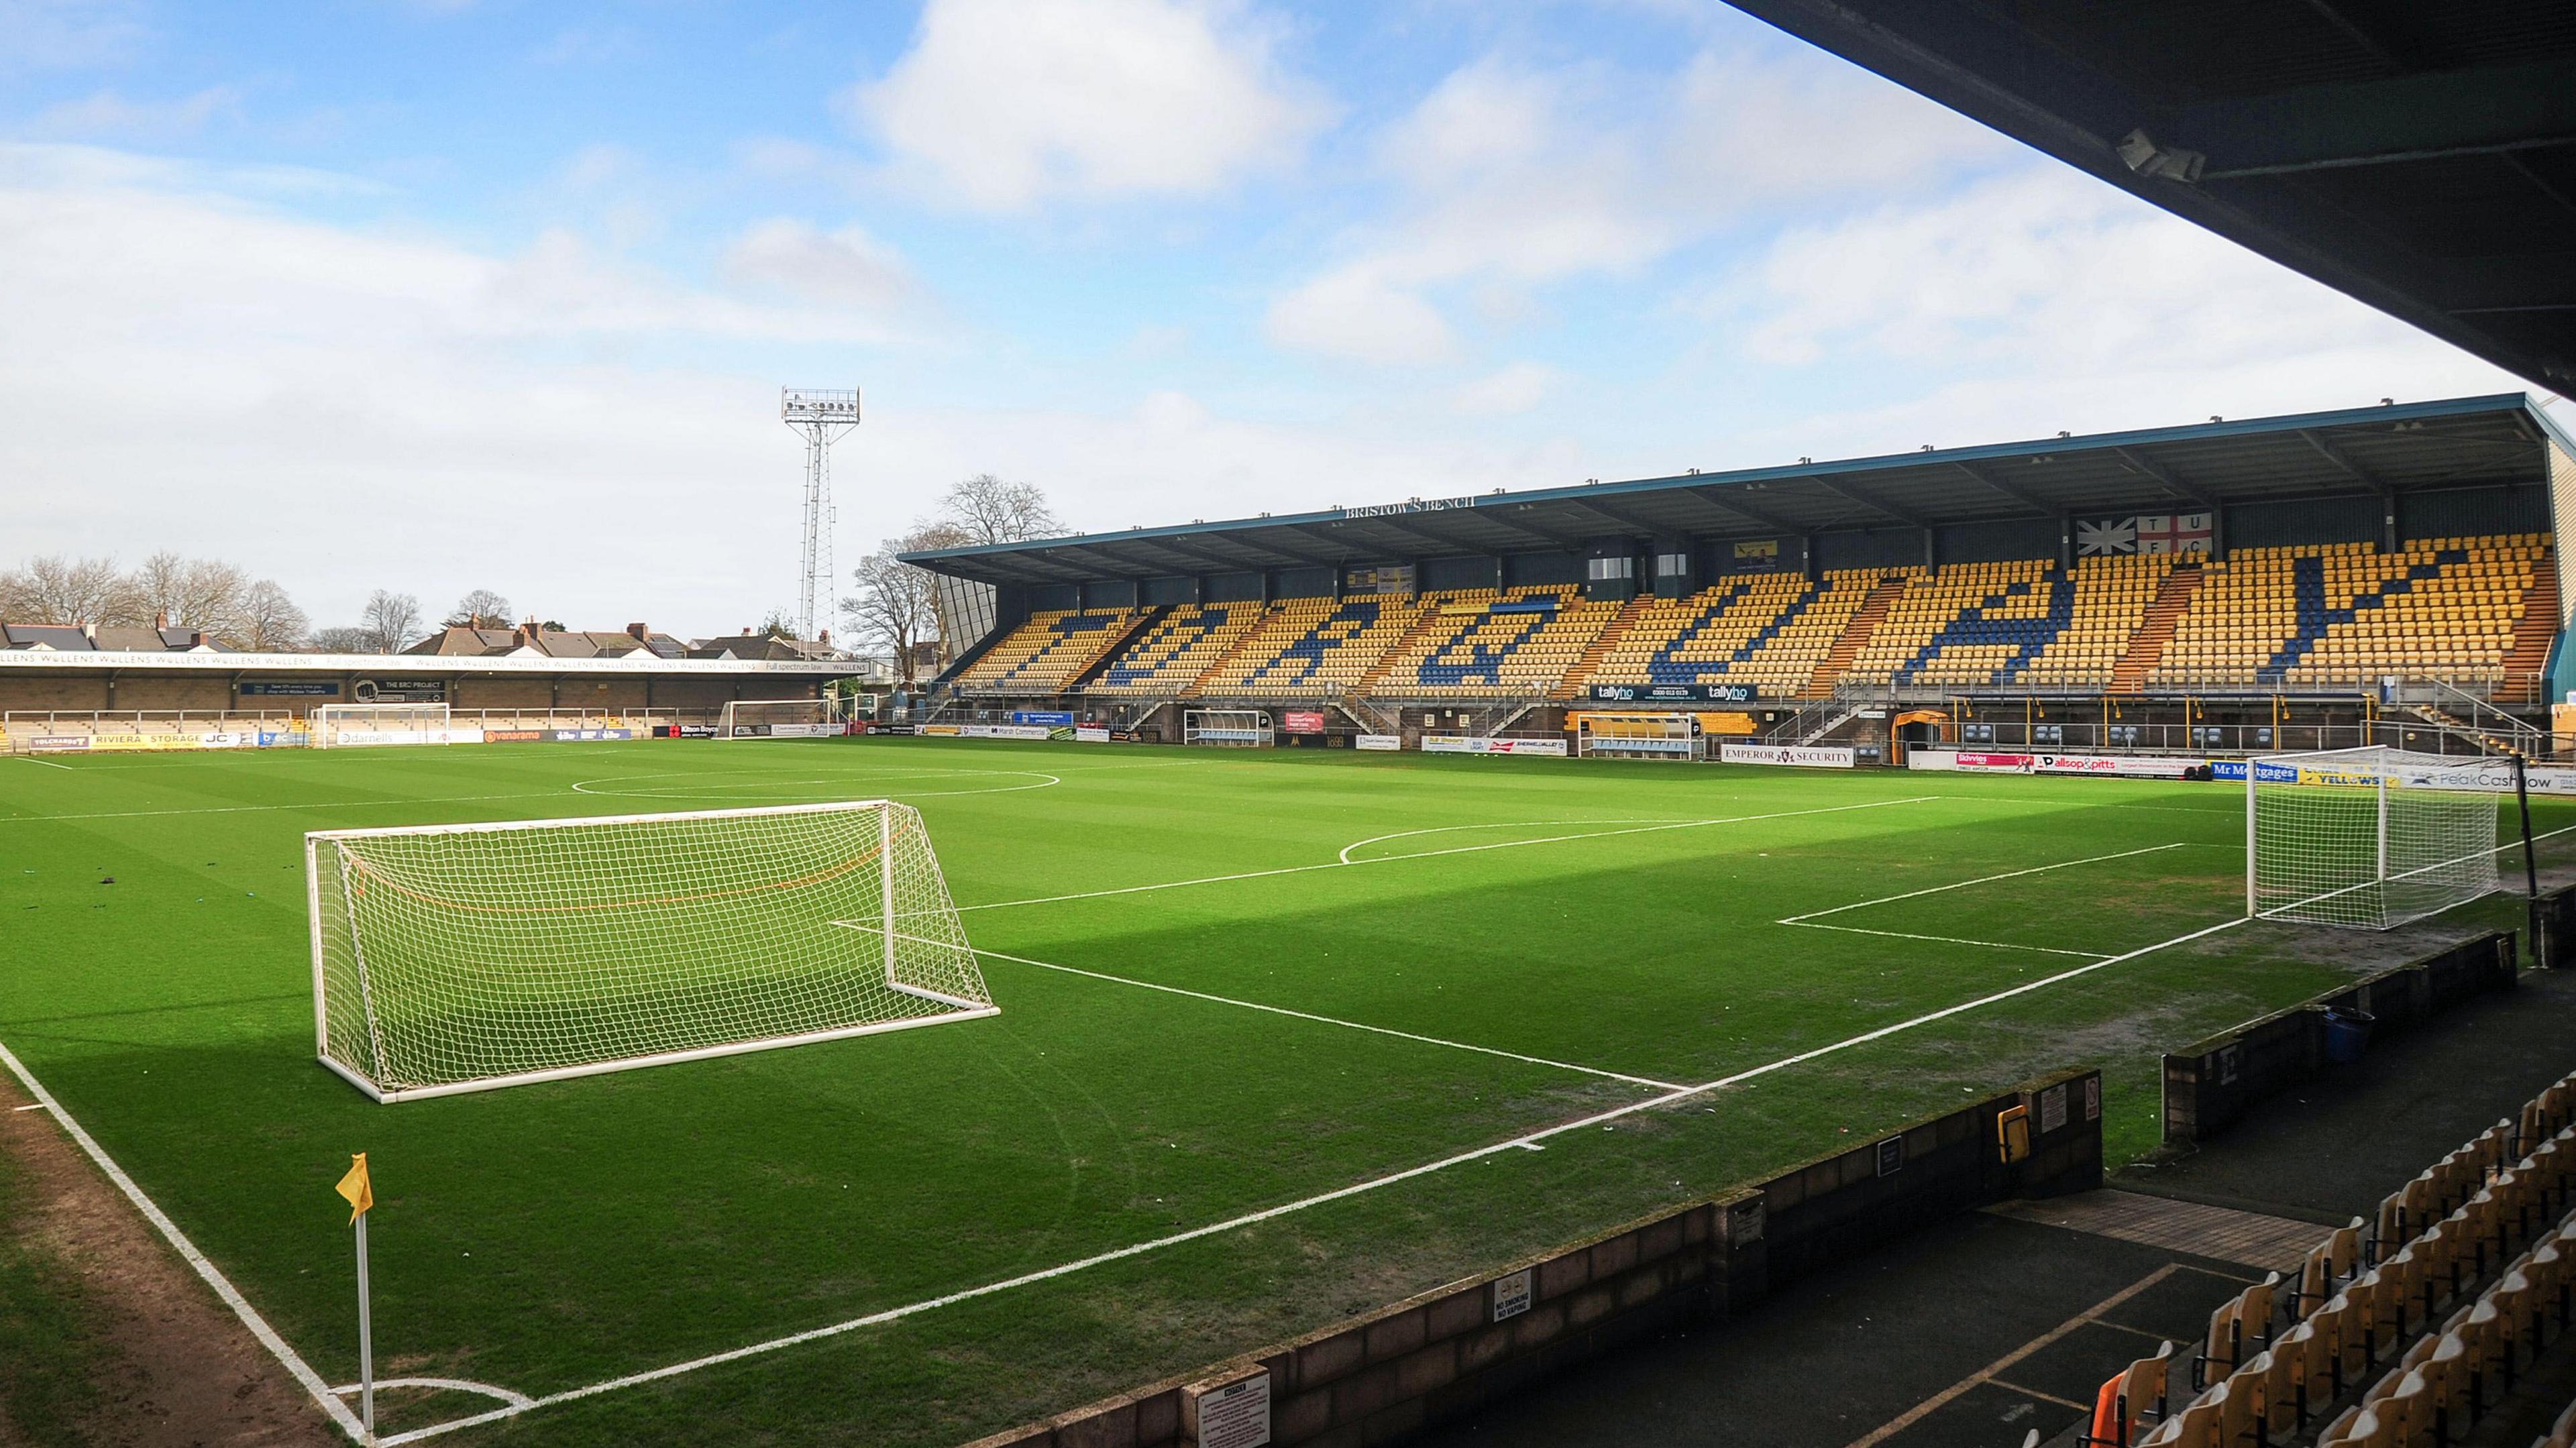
(167, 1365)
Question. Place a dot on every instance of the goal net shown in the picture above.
(1638, 736)
(452, 958)
(336, 725)
(777, 719)
(2368, 838)
(1226, 726)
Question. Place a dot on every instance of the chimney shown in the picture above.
(197, 639)
(641, 633)
(524, 636)
(161, 619)
(826, 639)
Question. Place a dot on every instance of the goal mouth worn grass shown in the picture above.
(1282, 1036)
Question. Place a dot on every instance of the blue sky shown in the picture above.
(442, 294)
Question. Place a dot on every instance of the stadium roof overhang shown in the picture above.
(2465, 442)
(2421, 157)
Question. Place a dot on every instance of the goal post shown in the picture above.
(453, 958)
(343, 725)
(1243, 728)
(1648, 735)
(2371, 838)
(778, 719)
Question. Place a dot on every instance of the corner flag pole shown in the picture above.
(362, 1196)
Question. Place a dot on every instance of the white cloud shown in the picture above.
(848, 266)
(345, 410)
(1512, 389)
(1354, 313)
(107, 115)
(1511, 176)
(45, 34)
(2042, 301)
(1003, 103)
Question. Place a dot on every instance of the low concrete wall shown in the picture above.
(2553, 928)
(1429, 1358)
(2211, 1084)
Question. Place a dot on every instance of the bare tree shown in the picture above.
(893, 608)
(345, 639)
(269, 620)
(985, 509)
(55, 589)
(392, 620)
(481, 608)
(193, 593)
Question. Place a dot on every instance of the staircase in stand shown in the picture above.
(1117, 644)
(2532, 635)
(2147, 646)
(1232, 652)
(1571, 686)
(1855, 637)
(1423, 621)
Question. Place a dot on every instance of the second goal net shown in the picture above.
(778, 719)
(452, 958)
(2369, 838)
(343, 725)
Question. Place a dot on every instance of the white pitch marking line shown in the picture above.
(1647, 1081)
(48, 763)
(1980, 880)
(1947, 939)
(122, 814)
(1137, 1249)
(249, 1315)
(1506, 825)
(453, 1385)
(1338, 864)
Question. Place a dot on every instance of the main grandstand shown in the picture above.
(2223, 585)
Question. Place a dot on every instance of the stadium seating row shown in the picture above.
(2412, 1324)
(2332, 615)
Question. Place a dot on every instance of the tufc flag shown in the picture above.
(355, 1186)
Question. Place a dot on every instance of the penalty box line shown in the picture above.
(1645, 1081)
(1811, 919)
(1344, 864)
(1137, 1249)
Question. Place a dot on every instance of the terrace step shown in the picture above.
(2532, 635)
(1571, 686)
(2147, 646)
(1232, 651)
(1855, 637)
(1423, 621)
(1109, 652)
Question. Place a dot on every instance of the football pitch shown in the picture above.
(1283, 1036)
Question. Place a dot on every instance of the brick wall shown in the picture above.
(2210, 1084)
(1436, 1356)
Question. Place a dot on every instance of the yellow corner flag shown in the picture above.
(355, 1186)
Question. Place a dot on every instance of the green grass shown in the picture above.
(547, 1237)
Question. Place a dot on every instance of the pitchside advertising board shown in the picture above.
(1042, 716)
(1454, 744)
(1301, 721)
(1675, 693)
(1380, 742)
(1811, 756)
